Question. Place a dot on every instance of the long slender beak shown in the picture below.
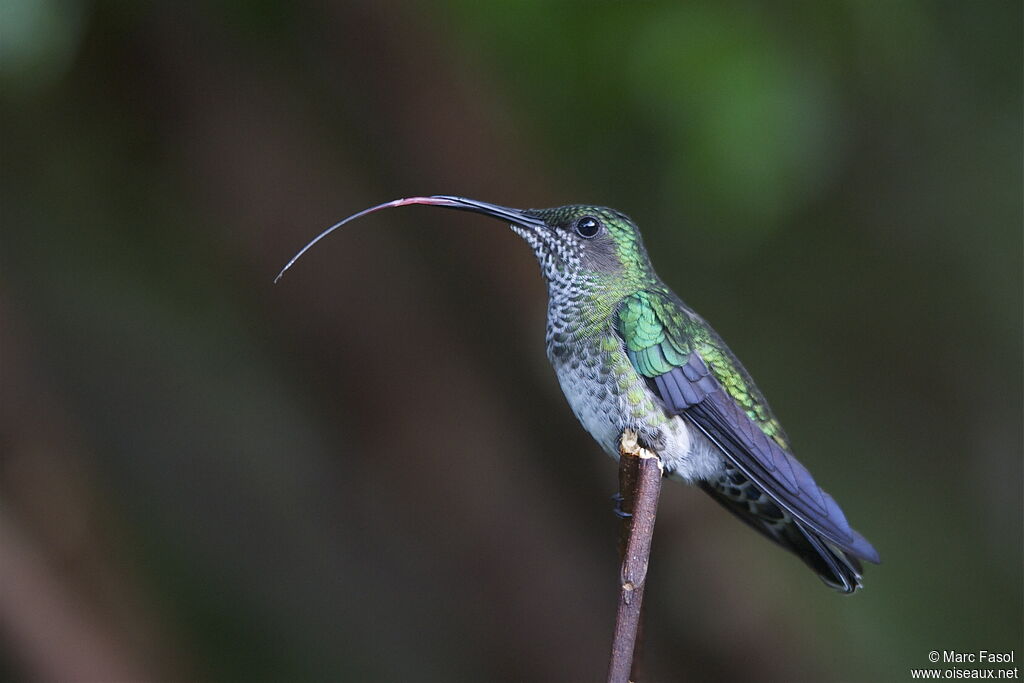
(504, 213)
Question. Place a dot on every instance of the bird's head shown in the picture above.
(574, 244)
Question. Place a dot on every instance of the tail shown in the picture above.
(838, 568)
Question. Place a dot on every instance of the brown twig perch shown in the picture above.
(640, 486)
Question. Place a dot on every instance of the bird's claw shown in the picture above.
(617, 508)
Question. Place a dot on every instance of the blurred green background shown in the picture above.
(368, 472)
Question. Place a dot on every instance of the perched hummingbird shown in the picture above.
(629, 354)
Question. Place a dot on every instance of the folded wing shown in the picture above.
(696, 376)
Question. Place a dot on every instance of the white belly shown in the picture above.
(606, 403)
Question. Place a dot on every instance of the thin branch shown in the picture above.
(640, 474)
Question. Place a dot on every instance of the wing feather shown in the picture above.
(696, 376)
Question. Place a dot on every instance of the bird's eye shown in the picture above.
(587, 227)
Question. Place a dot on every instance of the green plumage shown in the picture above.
(660, 335)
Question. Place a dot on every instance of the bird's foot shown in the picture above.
(617, 508)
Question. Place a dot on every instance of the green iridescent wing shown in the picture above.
(693, 372)
(661, 335)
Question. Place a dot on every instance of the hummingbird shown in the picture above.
(630, 355)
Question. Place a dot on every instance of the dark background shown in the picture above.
(368, 472)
